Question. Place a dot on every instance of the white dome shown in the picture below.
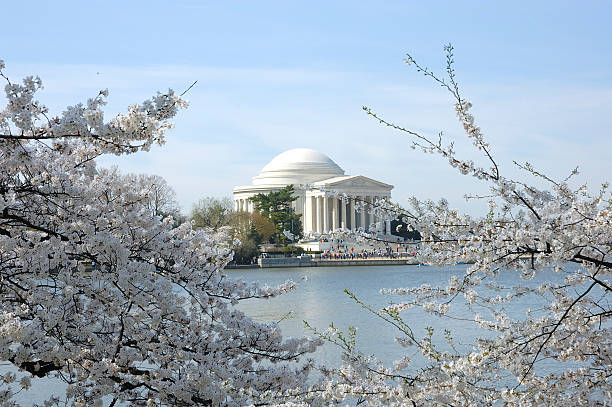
(298, 166)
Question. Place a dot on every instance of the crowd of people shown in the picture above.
(341, 251)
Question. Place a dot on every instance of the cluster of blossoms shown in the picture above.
(558, 353)
(101, 292)
(122, 304)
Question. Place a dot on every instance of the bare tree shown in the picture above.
(212, 212)
(160, 198)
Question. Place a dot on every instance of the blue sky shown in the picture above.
(279, 75)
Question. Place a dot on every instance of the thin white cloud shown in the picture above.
(239, 119)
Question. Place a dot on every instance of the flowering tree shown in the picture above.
(99, 292)
(558, 354)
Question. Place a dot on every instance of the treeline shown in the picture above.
(250, 229)
(274, 221)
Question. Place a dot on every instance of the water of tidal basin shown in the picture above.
(320, 300)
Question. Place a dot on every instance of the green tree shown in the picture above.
(277, 206)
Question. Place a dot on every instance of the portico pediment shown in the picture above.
(352, 182)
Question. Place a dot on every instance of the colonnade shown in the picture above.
(243, 205)
(320, 213)
(329, 213)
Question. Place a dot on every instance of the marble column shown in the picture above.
(343, 223)
(314, 213)
(362, 214)
(334, 213)
(310, 218)
(377, 218)
(388, 227)
(368, 213)
(318, 214)
(352, 210)
(305, 216)
(325, 214)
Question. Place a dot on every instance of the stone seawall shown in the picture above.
(242, 266)
(304, 261)
(307, 261)
(364, 262)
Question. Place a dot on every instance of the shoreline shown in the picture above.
(286, 262)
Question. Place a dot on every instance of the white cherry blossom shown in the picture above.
(556, 353)
(100, 291)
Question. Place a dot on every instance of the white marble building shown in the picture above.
(314, 175)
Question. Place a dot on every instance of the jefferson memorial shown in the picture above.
(326, 197)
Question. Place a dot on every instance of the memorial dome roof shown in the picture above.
(298, 166)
